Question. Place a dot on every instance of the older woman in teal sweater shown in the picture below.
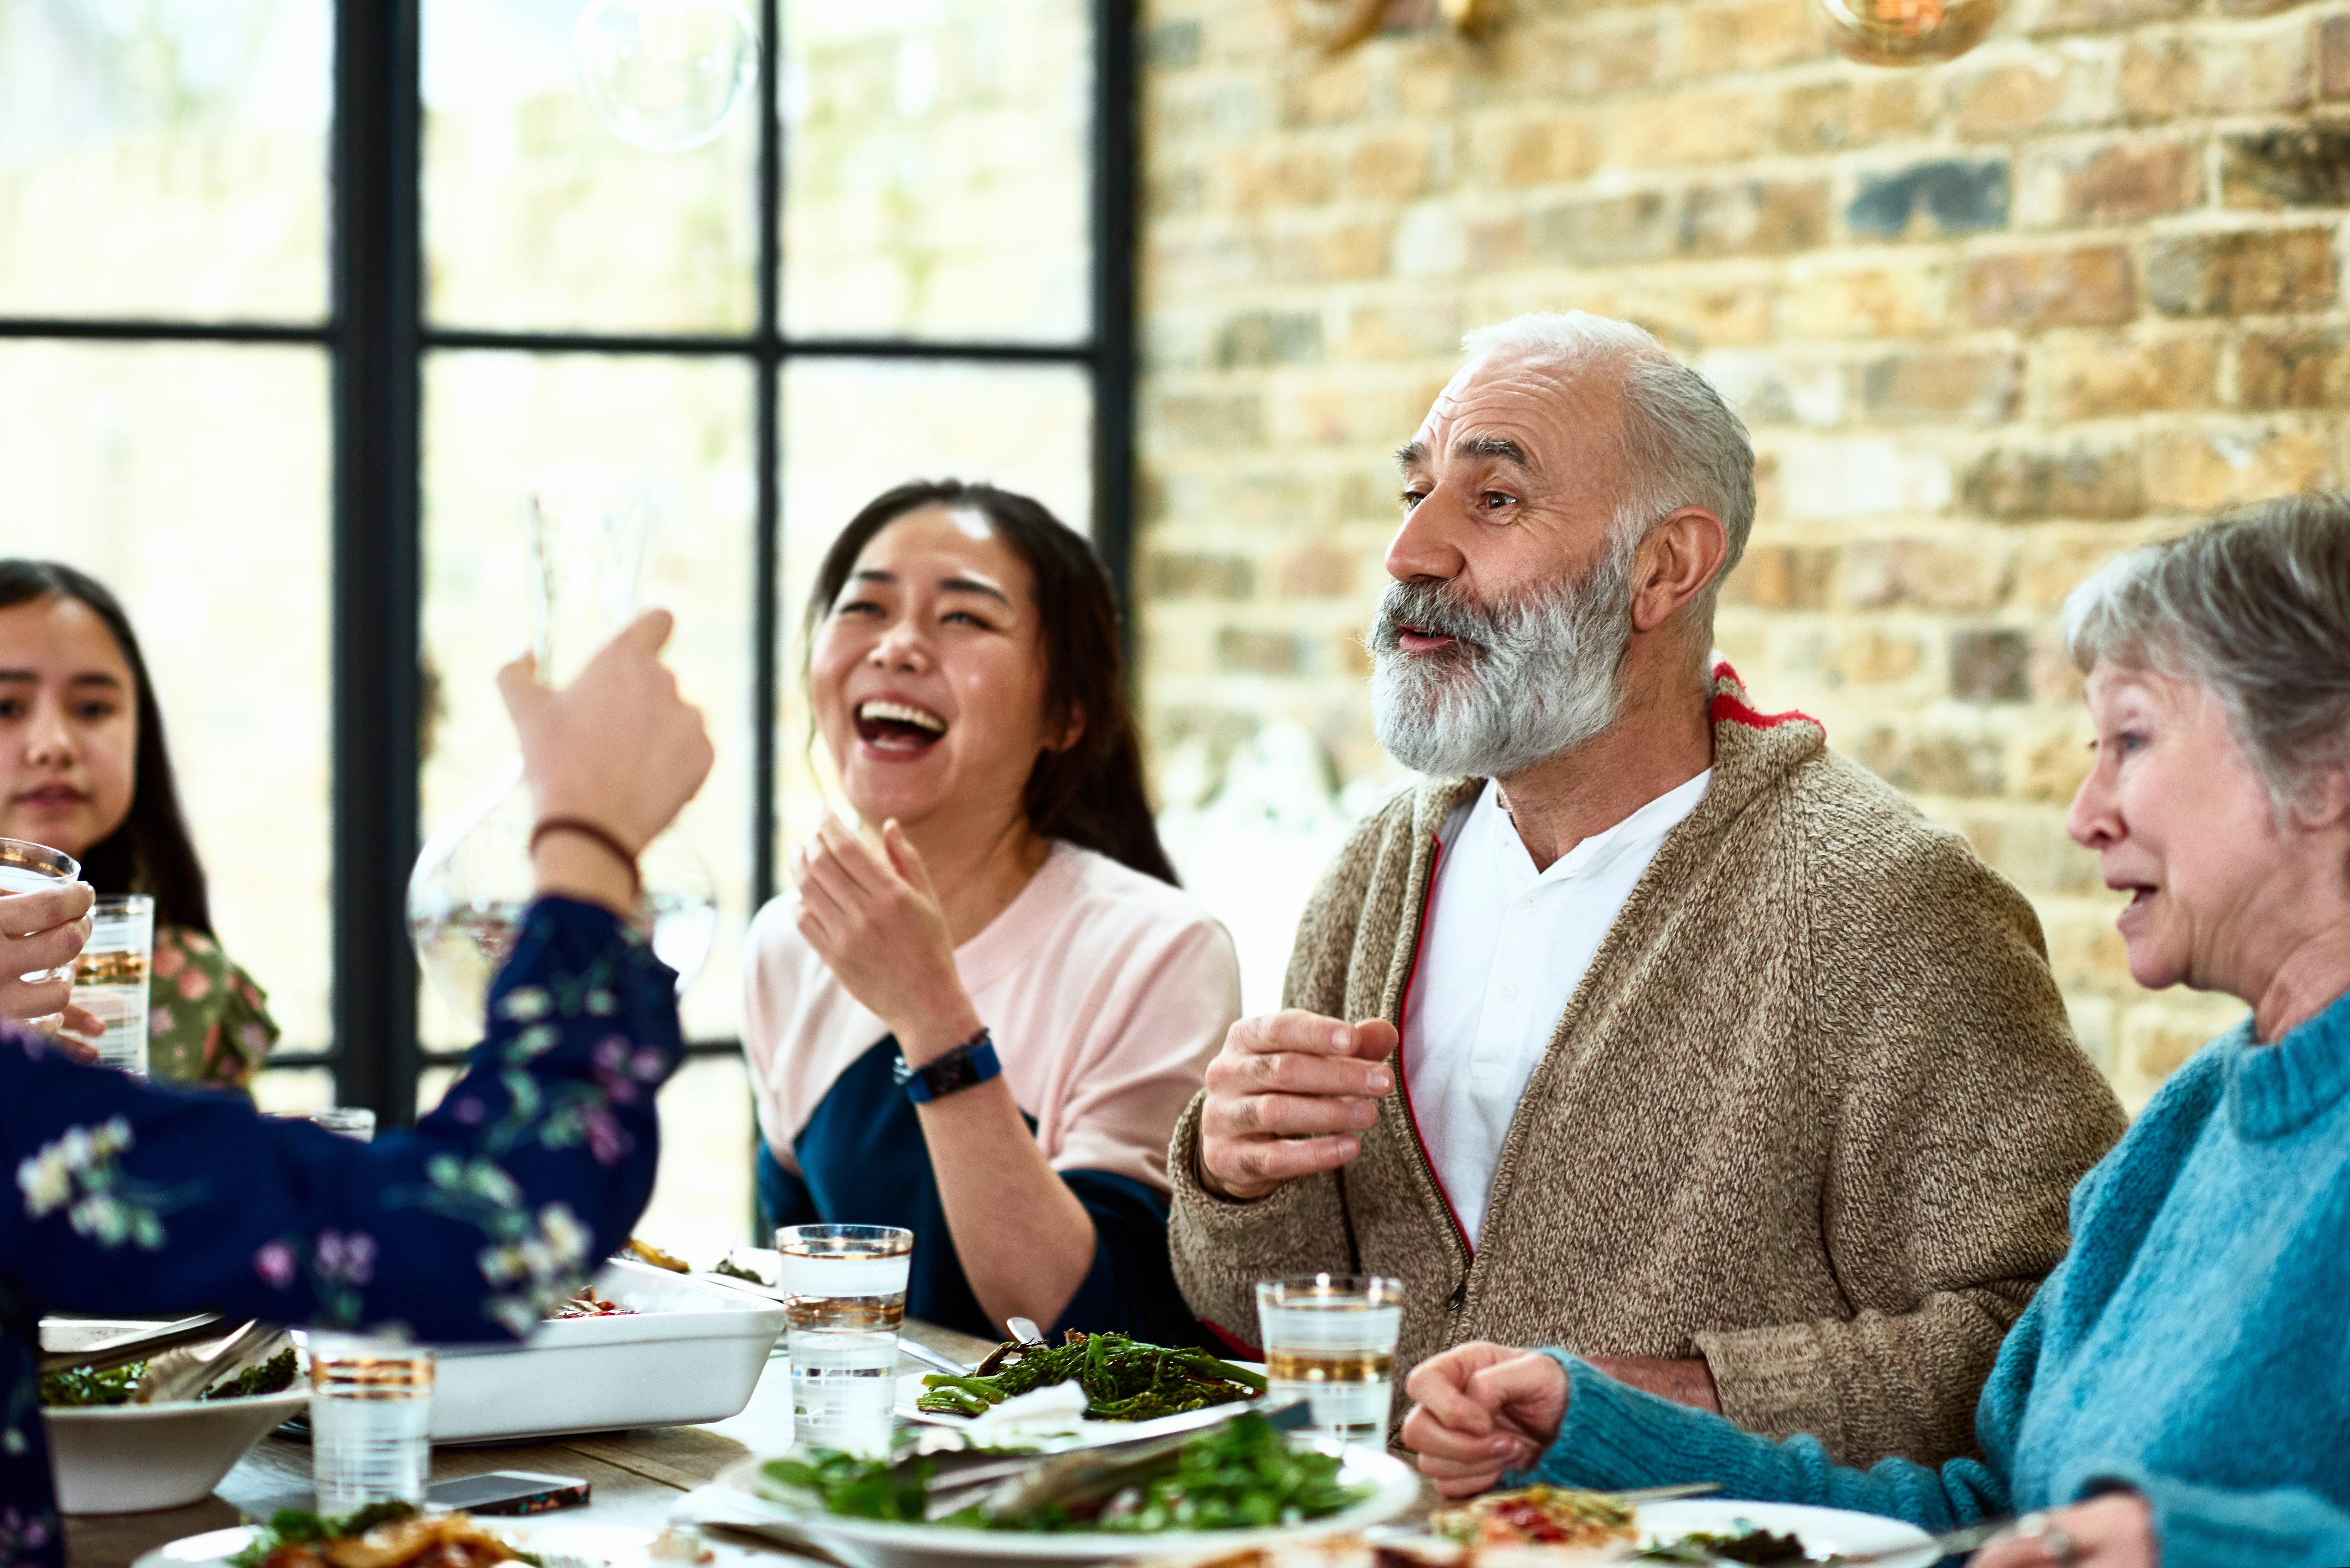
(2179, 1392)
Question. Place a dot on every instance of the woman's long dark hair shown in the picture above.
(151, 853)
(1091, 793)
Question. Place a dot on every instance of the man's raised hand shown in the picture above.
(1289, 1095)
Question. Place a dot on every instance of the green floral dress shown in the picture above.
(207, 1022)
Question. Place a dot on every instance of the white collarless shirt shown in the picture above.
(1503, 949)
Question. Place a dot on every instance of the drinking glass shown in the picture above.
(111, 977)
(845, 1297)
(1330, 1340)
(32, 868)
(370, 1414)
(473, 880)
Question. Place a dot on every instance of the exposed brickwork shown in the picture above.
(1988, 321)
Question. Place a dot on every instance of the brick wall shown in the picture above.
(1988, 322)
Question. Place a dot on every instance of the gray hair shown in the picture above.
(1681, 444)
(2254, 608)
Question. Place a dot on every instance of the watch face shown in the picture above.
(967, 1064)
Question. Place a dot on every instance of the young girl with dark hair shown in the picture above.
(986, 1004)
(83, 768)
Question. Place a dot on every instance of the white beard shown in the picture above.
(1522, 684)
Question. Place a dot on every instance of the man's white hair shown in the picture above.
(1681, 444)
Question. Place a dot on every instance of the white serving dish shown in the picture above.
(691, 1352)
(873, 1543)
(128, 1458)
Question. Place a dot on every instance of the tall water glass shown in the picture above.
(845, 1297)
(370, 1419)
(27, 867)
(1330, 1340)
(110, 978)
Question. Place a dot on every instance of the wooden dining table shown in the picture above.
(635, 1478)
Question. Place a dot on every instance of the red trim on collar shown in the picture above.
(1726, 707)
(1233, 1342)
(1403, 1084)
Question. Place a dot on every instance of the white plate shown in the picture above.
(875, 1544)
(1825, 1531)
(1080, 1432)
(563, 1542)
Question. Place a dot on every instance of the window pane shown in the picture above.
(499, 424)
(291, 1090)
(192, 482)
(702, 1197)
(853, 428)
(939, 169)
(164, 160)
(536, 216)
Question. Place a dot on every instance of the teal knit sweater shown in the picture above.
(2194, 1345)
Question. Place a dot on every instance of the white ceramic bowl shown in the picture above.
(128, 1459)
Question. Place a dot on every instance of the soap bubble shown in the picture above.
(665, 75)
(1902, 32)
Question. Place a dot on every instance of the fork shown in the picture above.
(177, 1373)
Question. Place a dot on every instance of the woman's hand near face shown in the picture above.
(2115, 1530)
(878, 925)
(1481, 1409)
(41, 931)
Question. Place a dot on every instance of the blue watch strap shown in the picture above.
(971, 1064)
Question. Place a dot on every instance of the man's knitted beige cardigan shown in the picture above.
(1813, 1113)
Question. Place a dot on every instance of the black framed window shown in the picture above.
(296, 307)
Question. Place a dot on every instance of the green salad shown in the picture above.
(80, 1388)
(1241, 1475)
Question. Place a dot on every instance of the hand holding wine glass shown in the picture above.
(618, 750)
(42, 933)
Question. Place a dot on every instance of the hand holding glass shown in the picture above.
(35, 982)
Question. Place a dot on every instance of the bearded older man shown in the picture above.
(1650, 1026)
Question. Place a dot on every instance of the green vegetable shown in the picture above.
(1241, 1475)
(274, 1376)
(1123, 1379)
(1749, 1545)
(295, 1526)
(80, 1388)
(861, 1488)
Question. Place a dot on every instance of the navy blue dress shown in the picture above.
(863, 1161)
(149, 1199)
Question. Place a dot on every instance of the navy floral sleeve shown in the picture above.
(146, 1198)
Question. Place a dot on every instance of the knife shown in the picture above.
(1948, 1543)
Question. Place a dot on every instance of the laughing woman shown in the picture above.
(979, 1016)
